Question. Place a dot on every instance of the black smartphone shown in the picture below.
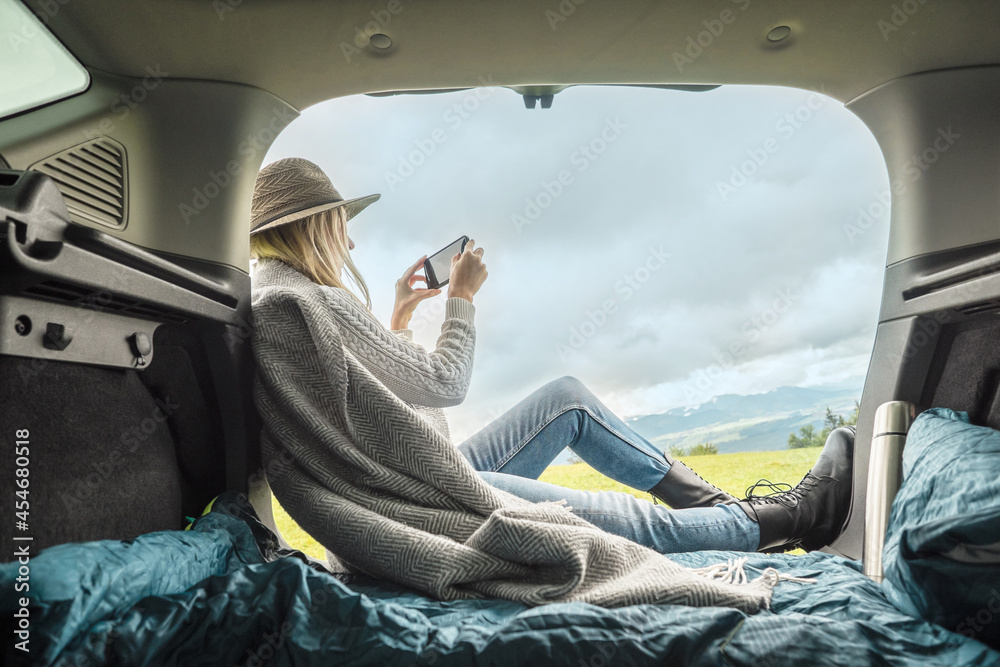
(437, 267)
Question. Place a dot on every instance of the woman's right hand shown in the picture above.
(468, 272)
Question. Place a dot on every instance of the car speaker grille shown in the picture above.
(93, 179)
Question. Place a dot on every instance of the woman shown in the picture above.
(299, 218)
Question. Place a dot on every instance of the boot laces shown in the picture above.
(705, 480)
(656, 502)
(781, 492)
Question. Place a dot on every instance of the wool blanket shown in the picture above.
(385, 493)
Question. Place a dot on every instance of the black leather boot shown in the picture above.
(815, 512)
(682, 487)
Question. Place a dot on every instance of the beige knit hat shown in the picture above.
(293, 188)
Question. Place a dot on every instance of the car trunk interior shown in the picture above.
(127, 443)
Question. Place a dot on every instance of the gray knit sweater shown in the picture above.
(426, 381)
(386, 494)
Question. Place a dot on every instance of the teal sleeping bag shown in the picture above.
(223, 593)
(942, 551)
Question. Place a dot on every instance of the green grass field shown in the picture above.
(732, 473)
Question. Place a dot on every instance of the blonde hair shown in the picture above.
(316, 245)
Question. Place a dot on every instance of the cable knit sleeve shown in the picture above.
(435, 379)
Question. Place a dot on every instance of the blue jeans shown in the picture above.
(513, 450)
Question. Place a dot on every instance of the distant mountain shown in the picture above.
(745, 423)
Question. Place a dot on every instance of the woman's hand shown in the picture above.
(407, 297)
(468, 273)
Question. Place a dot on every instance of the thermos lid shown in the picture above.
(894, 418)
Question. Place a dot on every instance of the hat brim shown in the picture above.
(351, 207)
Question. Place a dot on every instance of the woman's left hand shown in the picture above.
(407, 297)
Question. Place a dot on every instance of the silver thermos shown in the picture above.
(885, 474)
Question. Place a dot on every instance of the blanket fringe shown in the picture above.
(732, 572)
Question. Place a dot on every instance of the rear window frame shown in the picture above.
(75, 77)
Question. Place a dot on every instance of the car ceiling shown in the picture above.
(295, 49)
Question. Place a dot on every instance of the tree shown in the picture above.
(807, 437)
(832, 421)
(703, 449)
(853, 419)
(676, 451)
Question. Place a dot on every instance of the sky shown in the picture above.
(663, 246)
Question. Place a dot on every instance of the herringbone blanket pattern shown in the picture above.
(388, 495)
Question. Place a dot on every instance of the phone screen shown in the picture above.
(438, 266)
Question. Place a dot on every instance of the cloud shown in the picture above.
(635, 238)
